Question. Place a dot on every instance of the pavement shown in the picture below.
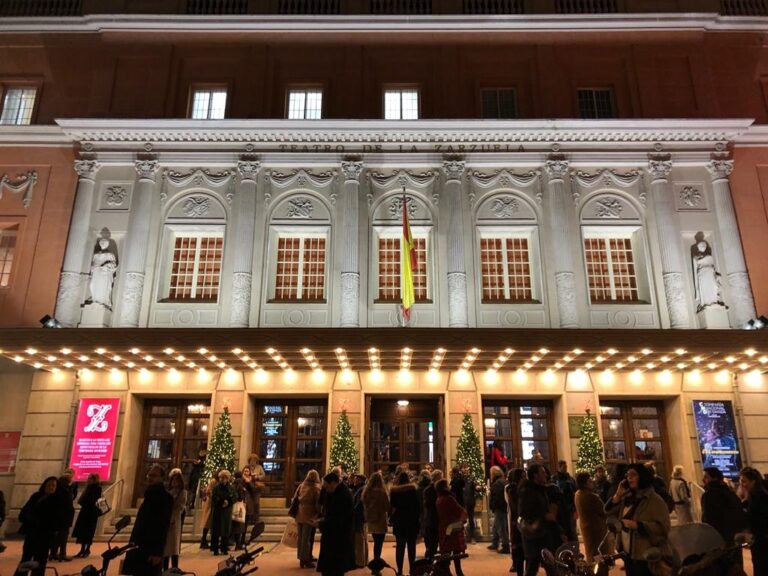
(278, 561)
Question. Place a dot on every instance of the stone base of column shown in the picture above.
(350, 300)
(674, 290)
(241, 300)
(565, 282)
(713, 318)
(457, 300)
(95, 316)
(68, 298)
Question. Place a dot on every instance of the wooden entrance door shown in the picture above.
(173, 432)
(399, 433)
(290, 439)
(523, 428)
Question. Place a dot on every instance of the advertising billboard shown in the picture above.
(716, 432)
(94, 442)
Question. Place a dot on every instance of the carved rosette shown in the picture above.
(557, 168)
(454, 169)
(68, 298)
(350, 298)
(659, 169)
(457, 300)
(133, 290)
(720, 168)
(241, 299)
(565, 284)
(248, 170)
(87, 169)
(352, 170)
(147, 169)
(742, 303)
(674, 290)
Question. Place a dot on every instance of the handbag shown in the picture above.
(290, 534)
(102, 505)
(238, 512)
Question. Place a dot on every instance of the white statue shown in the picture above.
(705, 277)
(103, 267)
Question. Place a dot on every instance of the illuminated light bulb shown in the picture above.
(55, 370)
(68, 364)
(589, 365)
(202, 351)
(694, 376)
(665, 358)
(135, 351)
(763, 359)
(697, 359)
(245, 358)
(496, 365)
(679, 351)
(510, 351)
(543, 351)
(462, 376)
(527, 365)
(168, 351)
(31, 351)
(650, 365)
(114, 371)
(238, 351)
(631, 358)
(743, 366)
(290, 376)
(750, 352)
(636, 377)
(723, 377)
(191, 365)
(491, 376)
(101, 350)
(148, 358)
(599, 358)
(180, 358)
(681, 366)
(711, 365)
(337, 350)
(475, 351)
(665, 377)
(433, 376)
(253, 366)
(83, 358)
(577, 351)
(611, 351)
(535, 358)
(99, 365)
(619, 365)
(37, 365)
(51, 358)
(567, 358)
(161, 364)
(116, 358)
(548, 377)
(754, 378)
(213, 358)
(730, 359)
(558, 365)
(66, 351)
(646, 351)
(521, 376)
(373, 350)
(221, 365)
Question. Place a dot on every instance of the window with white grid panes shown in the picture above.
(209, 103)
(498, 103)
(196, 268)
(300, 268)
(18, 105)
(505, 267)
(401, 104)
(7, 253)
(596, 103)
(305, 104)
(611, 271)
(389, 269)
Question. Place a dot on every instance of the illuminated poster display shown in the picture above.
(9, 450)
(94, 441)
(716, 431)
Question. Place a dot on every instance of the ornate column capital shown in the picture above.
(147, 169)
(248, 168)
(87, 169)
(352, 168)
(556, 167)
(720, 168)
(453, 168)
(659, 167)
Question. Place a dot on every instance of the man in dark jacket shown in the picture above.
(64, 494)
(430, 527)
(498, 506)
(151, 528)
(567, 485)
(469, 501)
(538, 527)
(337, 551)
(721, 508)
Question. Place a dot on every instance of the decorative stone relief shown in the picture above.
(68, 298)
(350, 299)
(453, 168)
(396, 207)
(147, 169)
(199, 177)
(504, 179)
(87, 169)
(16, 185)
(659, 168)
(300, 208)
(565, 284)
(674, 290)
(505, 207)
(130, 307)
(248, 169)
(742, 302)
(196, 206)
(690, 196)
(606, 178)
(241, 299)
(115, 196)
(457, 300)
(608, 208)
(720, 168)
(301, 178)
(401, 178)
(556, 167)
(352, 169)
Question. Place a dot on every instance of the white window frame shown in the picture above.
(418, 232)
(302, 233)
(401, 91)
(174, 231)
(304, 92)
(639, 257)
(511, 232)
(210, 90)
(23, 115)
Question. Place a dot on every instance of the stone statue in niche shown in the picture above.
(103, 268)
(706, 278)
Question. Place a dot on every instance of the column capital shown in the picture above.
(352, 168)
(556, 167)
(248, 168)
(87, 169)
(659, 167)
(147, 169)
(720, 168)
(453, 168)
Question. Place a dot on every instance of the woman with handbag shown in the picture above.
(173, 539)
(249, 486)
(85, 525)
(307, 505)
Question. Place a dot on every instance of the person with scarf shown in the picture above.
(39, 518)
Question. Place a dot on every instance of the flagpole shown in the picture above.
(402, 311)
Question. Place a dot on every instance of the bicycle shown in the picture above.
(235, 565)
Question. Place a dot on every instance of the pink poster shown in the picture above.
(94, 441)
(9, 449)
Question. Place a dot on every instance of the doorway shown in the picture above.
(404, 430)
(173, 432)
(290, 439)
(524, 430)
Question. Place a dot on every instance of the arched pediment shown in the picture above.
(197, 205)
(503, 206)
(609, 206)
(300, 206)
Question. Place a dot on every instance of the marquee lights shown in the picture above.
(310, 358)
(437, 359)
(406, 355)
(341, 357)
(373, 358)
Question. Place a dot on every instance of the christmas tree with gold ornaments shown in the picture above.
(589, 449)
(343, 446)
(221, 451)
(468, 449)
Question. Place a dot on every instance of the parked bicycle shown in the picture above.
(238, 565)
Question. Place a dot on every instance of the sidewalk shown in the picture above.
(279, 561)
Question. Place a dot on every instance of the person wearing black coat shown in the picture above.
(468, 501)
(337, 551)
(537, 527)
(405, 519)
(722, 509)
(429, 528)
(151, 527)
(64, 493)
(39, 518)
(85, 526)
(756, 508)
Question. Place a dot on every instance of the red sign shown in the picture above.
(9, 449)
(94, 442)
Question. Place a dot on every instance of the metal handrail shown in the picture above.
(115, 488)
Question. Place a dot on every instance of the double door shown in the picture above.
(634, 432)
(523, 430)
(290, 439)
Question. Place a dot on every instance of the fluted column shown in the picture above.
(350, 265)
(669, 244)
(453, 170)
(72, 274)
(742, 302)
(561, 208)
(245, 224)
(137, 243)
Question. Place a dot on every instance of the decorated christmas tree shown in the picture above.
(468, 450)
(589, 450)
(221, 452)
(343, 446)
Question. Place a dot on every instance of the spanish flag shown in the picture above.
(408, 263)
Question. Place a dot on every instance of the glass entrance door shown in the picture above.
(290, 441)
(404, 431)
(523, 429)
(173, 433)
(634, 432)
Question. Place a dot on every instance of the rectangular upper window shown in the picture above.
(506, 269)
(195, 270)
(300, 268)
(499, 103)
(611, 269)
(18, 105)
(389, 269)
(401, 104)
(209, 103)
(305, 104)
(8, 237)
(596, 103)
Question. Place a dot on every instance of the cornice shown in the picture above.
(34, 136)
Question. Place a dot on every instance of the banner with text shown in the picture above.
(716, 431)
(94, 442)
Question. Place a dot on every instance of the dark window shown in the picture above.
(499, 103)
(596, 103)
